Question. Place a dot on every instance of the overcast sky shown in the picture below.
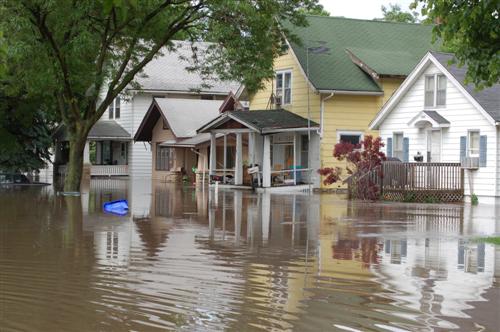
(365, 9)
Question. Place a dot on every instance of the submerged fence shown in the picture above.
(413, 181)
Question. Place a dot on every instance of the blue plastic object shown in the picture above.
(119, 207)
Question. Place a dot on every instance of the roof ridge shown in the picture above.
(368, 20)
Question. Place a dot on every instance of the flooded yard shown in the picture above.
(194, 260)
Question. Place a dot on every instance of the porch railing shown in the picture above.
(413, 181)
(109, 170)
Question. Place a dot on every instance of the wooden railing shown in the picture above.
(109, 170)
(396, 180)
(436, 176)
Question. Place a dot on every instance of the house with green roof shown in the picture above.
(340, 74)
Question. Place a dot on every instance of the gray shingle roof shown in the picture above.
(488, 98)
(264, 121)
(108, 129)
(437, 117)
(168, 72)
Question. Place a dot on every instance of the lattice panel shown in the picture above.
(424, 195)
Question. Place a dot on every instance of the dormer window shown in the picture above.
(435, 91)
(114, 109)
(284, 87)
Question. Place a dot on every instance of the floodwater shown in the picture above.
(193, 260)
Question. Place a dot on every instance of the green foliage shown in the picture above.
(409, 197)
(394, 13)
(474, 200)
(78, 51)
(316, 9)
(491, 239)
(25, 134)
(431, 200)
(471, 30)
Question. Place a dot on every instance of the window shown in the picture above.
(164, 158)
(284, 87)
(435, 91)
(397, 146)
(114, 109)
(473, 143)
(304, 151)
(350, 137)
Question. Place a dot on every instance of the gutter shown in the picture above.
(352, 92)
(322, 114)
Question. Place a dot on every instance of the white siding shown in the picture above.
(498, 161)
(462, 116)
(140, 159)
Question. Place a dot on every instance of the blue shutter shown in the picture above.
(463, 147)
(406, 149)
(483, 153)
(389, 147)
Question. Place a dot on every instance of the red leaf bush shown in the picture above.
(364, 161)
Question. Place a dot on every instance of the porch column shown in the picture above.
(266, 162)
(238, 176)
(86, 153)
(225, 157)
(294, 159)
(213, 160)
(251, 148)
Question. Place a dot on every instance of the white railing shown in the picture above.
(109, 170)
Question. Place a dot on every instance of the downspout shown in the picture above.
(322, 114)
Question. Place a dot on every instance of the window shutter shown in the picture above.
(406, 149)
(463, 146)
(389, 147)
(483, 150)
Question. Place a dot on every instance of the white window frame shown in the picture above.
(112, 108)
(435, 90)
(469, 132)
(283, 73)
(394, 145)
(350, 133)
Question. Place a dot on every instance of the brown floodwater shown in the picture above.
(194, 260)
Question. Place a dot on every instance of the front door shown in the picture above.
(434, 145)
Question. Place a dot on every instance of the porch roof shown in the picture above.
(262, 121)
(432, 117)
(102, 130)
(189, 142)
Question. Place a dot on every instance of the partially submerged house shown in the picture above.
(435, 117)
(179, 151)
(282, 149)
(341, 75)
(166, 76)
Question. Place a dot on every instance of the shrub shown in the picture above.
(362, 159)
(474, 200)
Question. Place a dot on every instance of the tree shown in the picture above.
(25, 134)
(471, 30)
(86, 52)
(317, 10)
(363, 166)
(394, 13)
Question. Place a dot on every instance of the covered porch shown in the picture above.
(273, 149)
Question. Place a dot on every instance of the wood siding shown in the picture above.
(462, 115)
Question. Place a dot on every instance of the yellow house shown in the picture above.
(340, 75)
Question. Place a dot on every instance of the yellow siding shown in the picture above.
(342, 112)
(300, 88)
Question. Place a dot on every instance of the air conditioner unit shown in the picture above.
(470, 162)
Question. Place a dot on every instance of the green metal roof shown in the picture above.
(273, 119)
(388, 48)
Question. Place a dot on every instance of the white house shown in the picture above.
(111, 149)
(436, 115)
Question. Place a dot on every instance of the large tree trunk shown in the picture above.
(75, 163)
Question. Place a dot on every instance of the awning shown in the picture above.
(424, 118)
(102, 130)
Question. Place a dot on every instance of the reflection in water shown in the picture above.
(234, 260)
